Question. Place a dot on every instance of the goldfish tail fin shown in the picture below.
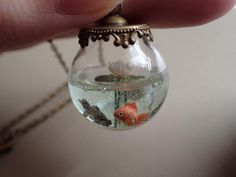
(143, 117)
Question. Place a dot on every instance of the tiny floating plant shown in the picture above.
(117, 78)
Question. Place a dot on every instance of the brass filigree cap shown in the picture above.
(118, 27)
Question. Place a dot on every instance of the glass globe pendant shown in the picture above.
(120, 80)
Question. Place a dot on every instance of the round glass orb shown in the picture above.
(118, 88)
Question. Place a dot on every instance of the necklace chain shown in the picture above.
(8, 136)
(30, 126)
(59, 56)
(25, 115)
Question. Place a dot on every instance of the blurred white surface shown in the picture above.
(194, 133)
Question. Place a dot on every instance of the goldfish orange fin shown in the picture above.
(133, 106)
(143, 117)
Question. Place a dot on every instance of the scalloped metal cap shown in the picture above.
(116, 26)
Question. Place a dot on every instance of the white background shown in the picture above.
(194, 134)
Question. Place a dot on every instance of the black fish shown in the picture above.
(94, 113)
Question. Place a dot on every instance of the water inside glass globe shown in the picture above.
(118, 87)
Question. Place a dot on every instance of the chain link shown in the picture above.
(22, 131)
(10, 135)
(58, 55)
(25, 115)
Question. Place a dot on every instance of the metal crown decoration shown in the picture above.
(116, 26)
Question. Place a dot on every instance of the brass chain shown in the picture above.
(9, 136)
(25, 115)
(58, 56)
(42, 119)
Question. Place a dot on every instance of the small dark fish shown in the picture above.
(95, 113)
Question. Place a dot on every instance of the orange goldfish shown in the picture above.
(128, 114)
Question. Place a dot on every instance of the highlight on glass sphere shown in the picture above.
(118, 87)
